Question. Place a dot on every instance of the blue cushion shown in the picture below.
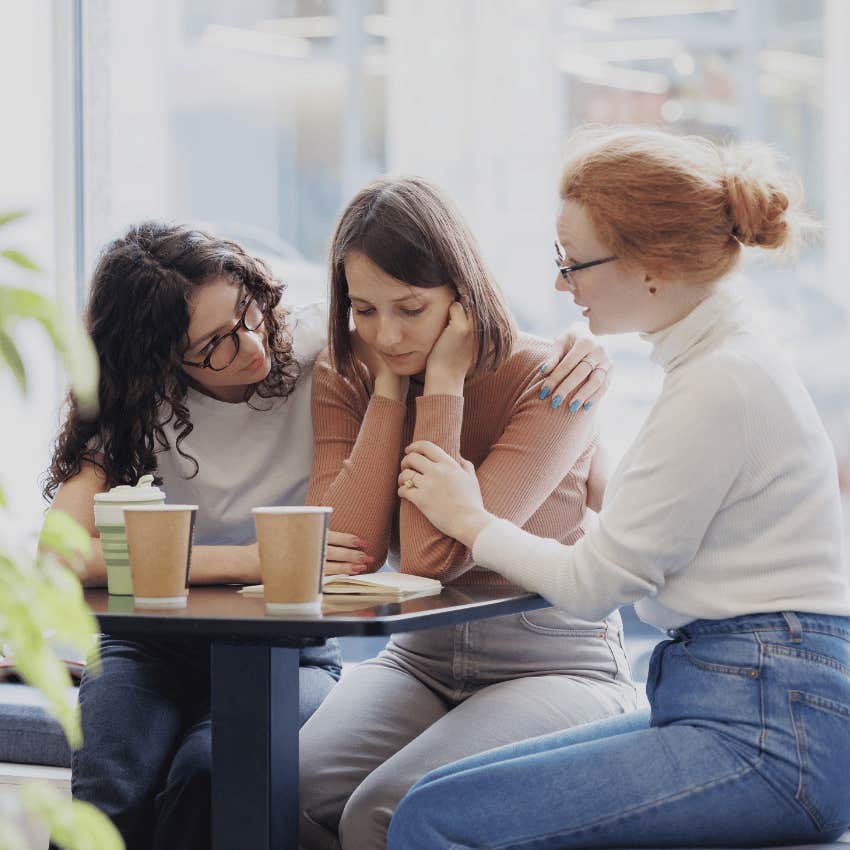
(28, 734)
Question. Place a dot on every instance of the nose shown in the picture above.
(252, 340)
(562, 284)
(389, 334)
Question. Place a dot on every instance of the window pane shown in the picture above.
(260, 119)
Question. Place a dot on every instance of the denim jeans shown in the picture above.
(146, 756)
(747, 743)
(438, 695)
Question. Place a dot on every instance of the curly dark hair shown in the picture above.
(138, 318)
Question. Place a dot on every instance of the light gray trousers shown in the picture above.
(433, 697)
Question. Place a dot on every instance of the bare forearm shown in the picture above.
(225, 565)
(95, 567)
(210, 565)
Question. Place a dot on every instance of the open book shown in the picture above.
(386, 586)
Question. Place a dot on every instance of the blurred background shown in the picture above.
(260, 118)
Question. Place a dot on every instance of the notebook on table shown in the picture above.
(383, 586)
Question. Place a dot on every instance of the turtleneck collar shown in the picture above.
(714, 317)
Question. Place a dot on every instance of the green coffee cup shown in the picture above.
(109, 521)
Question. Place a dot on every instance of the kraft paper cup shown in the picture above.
(159, 540)
(292, 542)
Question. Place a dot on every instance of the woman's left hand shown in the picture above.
(453, 352)
(446, 491)
(583, 374)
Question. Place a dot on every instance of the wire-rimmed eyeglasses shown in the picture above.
(567, 270)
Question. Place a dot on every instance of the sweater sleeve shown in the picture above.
(356, 452)
(687, 458)
(524, 466)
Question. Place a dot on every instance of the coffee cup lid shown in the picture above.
(143, 491)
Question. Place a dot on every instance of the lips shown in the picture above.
(255, 363)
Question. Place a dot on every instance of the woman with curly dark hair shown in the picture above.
(204, 383)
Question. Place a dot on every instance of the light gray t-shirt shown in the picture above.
(247, 457)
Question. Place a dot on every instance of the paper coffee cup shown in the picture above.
(109, 521)
(292, 542)
(159, 540)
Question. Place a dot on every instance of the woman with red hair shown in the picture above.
(722, 523)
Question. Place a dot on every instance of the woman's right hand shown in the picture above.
(344, 555)
(386, 382)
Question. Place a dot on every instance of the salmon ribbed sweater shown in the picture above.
(532, 462)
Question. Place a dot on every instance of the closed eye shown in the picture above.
(413, 312)
(209, 346)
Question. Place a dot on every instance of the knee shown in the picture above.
(406, 827)
(321, 795)
(412, 826)
(313, 835)
(192, 765)
(366, 816)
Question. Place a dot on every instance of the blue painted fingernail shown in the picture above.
(556, 401)
(544, 368)
(575, 406)
(544, 393)
(588, 405)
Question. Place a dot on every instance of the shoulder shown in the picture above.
(330, 387)
(527, 356)
(715, 385)
(309, 328)
(746, 366)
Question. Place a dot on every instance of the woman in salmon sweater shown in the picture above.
(436, 356)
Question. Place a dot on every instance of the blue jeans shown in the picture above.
(147, 750)
(747, 743)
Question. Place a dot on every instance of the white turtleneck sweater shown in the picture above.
(726, 504)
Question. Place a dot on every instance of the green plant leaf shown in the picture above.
(23, 630)
(68, 335)
(73, 824)
(42, 598)
(64, 536)
(5, 218)
(12, 358)
(3, 502)
(24, 303)
(19, 259)
(79, 358)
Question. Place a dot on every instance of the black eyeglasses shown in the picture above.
(223, 350)
(566, 271)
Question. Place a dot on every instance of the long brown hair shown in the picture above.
(138, 318)
(414, 233)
